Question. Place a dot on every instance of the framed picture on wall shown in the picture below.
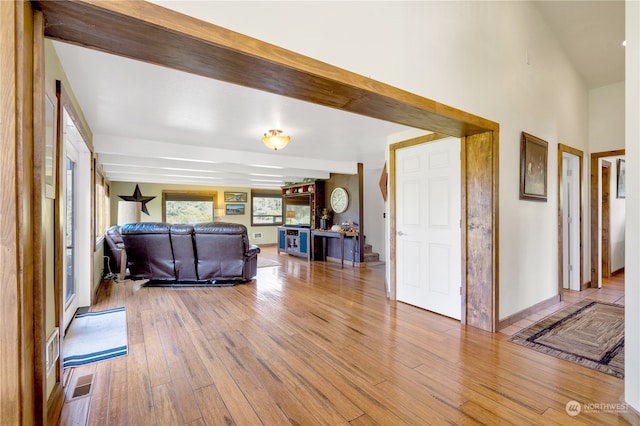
(621, 178)
(533, 168)
(235, 197)
(234, 209)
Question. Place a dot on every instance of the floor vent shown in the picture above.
(83, 386)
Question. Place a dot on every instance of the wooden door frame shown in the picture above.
(594, 203)
(157, 35)
(151, 33)
(21, 375)
(578, 153)
(605, 226)
(479, 192)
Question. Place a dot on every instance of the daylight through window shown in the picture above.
(266, 208)
(188, 207)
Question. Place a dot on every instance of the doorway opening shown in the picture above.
(607, 219)
(173, 40)
(570, 189)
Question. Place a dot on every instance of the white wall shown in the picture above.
(606, 118)
(494, 59)
(632, 146)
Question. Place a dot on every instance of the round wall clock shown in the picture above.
(339, 200)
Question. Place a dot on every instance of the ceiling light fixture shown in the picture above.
(274, 140)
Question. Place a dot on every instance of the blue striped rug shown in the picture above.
(95, 336)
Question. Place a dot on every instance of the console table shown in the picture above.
(333, 234)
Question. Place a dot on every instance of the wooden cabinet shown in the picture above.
(295, 237)
(306, 192)
(295, 241)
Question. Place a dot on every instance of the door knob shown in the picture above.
(401, 233)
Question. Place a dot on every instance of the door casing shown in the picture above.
(578, 153)
(594, 207)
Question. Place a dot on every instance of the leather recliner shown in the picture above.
(204, 252)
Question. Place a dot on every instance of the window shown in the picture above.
(188, 207)
(102, 206)
(266, 208)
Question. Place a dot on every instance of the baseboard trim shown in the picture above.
(512, 319)
(630, 415)
(618, 271)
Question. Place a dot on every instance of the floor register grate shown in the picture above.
(83, 386)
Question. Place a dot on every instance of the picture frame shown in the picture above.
(621, 177)
(533, 168)
(50, 142)
(235, 197)
(234, 209)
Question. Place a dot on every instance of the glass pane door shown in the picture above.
(70, 258)
(70, 287)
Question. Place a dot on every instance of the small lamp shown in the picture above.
(129, 212)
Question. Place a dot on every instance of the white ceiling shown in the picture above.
(154, 124)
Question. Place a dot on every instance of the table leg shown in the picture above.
(353, 250)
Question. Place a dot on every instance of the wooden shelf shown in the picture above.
(314, 190)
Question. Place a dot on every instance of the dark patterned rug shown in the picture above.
(588, 333)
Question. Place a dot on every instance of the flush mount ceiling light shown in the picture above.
(274, 140)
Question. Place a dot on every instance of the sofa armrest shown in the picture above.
(252, 251)
(250, 264)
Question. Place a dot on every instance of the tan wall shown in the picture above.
(269, 233)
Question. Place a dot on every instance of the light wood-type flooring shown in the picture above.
(312, 343)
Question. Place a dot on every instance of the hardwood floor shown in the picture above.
(312, 343)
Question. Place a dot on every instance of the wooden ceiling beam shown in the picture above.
(151, 33)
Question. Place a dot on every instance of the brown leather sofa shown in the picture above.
(199, 253)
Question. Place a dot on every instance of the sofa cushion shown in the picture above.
(183, 252)
(149, 250)
(221, 249)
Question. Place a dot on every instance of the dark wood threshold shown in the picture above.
(512, 319)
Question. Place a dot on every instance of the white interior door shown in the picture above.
(428, 240)
(570, 221)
